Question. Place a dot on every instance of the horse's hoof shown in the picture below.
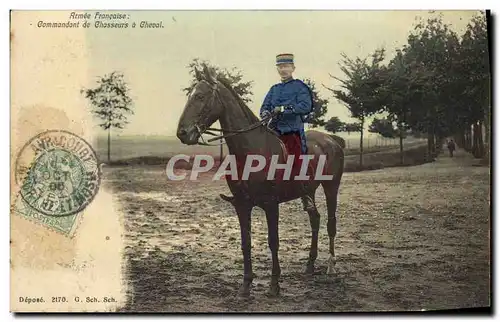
(331, 270)
(244, 291)
(274, 290)
(331, 266)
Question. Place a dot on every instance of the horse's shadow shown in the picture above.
(177, 281)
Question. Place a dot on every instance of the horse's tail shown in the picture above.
(339, 140)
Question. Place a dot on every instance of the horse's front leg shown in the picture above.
(244, 212)
(272, 216)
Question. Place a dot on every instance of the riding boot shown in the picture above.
(307, 200)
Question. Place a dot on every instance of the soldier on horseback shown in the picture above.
(290, 101)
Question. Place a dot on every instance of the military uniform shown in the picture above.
(291, 99)
(295, 97)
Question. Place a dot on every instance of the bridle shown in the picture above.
(216, 95)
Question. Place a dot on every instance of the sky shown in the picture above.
(154, 60)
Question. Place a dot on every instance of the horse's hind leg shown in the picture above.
(331, 189)
(314, 219)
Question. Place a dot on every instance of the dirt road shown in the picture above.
(408, 239)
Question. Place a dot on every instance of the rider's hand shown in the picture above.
(265, 114)
(278, 110)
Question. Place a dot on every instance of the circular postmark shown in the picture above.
(58, 173)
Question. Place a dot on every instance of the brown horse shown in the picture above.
(214, 99)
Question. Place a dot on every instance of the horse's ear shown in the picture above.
(206, 72)
(213, 76)
(197, 74)
(209, 74)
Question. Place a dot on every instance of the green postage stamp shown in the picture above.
(58, 175)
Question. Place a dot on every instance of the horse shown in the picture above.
(212, 99)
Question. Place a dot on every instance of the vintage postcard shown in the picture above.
(250, 161)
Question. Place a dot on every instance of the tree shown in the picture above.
(352, 127)
(430, 57)
(110, 102)
(233, 77)
(400, 93)
(384, 127)
(474, 68)
(335, 125)
(320, 106)
(360, 89)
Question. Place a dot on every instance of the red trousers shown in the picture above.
(293, 146)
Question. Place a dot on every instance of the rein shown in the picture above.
(264, 122)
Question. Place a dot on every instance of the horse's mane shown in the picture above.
(248, 112)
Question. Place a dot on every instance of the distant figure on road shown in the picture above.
(451, 147)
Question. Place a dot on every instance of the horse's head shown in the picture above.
(202, 109)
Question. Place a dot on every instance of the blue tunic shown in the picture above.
(297, 99)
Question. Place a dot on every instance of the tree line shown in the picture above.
(437, 85)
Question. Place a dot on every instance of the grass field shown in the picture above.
(141, 150)
(127, 147)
